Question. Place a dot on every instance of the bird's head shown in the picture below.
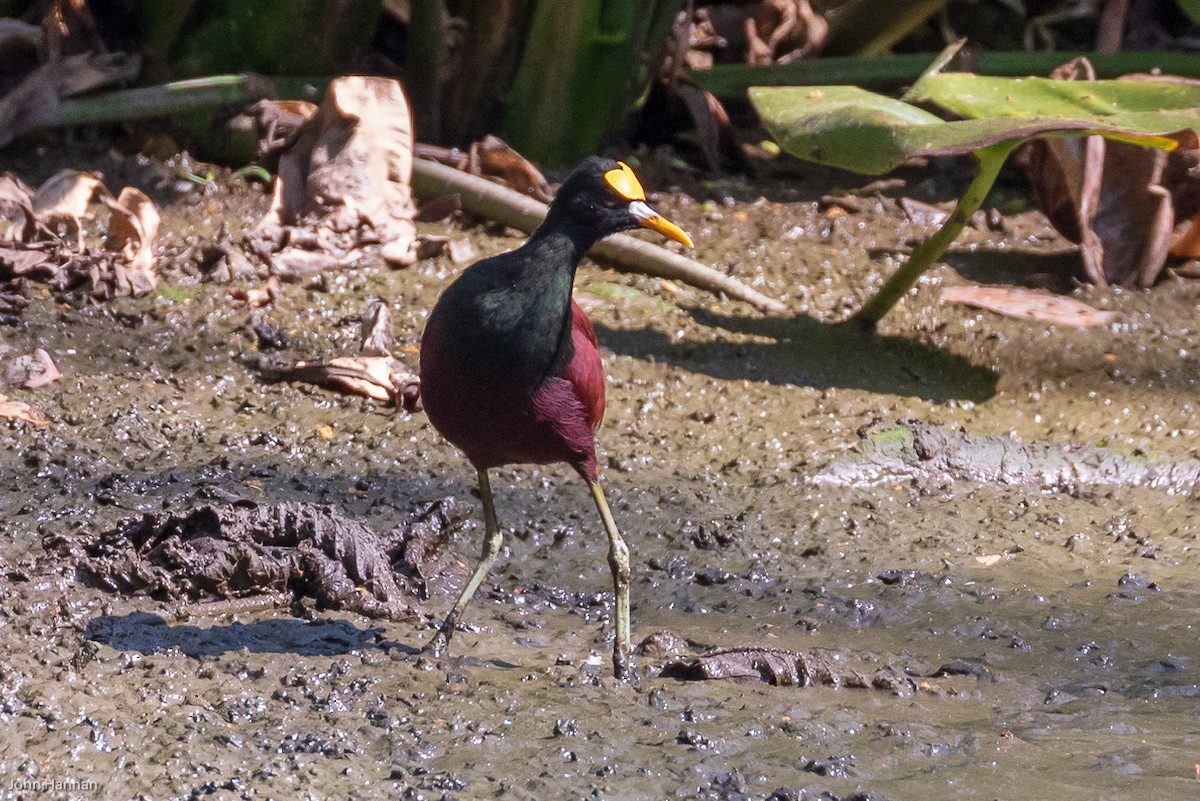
(603, 197)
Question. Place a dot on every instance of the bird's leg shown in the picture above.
(493, 538)
(618, 561)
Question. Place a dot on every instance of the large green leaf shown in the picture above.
(851, 128)
(1191, 8)
(973, 96)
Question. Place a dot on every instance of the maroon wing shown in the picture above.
(584, 372)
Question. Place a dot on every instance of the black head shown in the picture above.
(603, 197)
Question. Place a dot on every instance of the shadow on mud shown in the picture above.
(148, 633)
(811, 353)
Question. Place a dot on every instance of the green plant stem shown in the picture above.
(732, 80)
(180, 96)
(991, 159)
(425, 67)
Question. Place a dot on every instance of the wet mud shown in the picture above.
(1046, 634)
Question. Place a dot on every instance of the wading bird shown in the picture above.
(510, 367)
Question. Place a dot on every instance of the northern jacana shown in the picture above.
(510, 366)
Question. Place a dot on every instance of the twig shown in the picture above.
(495, 202)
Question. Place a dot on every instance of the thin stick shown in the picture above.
(495, 202)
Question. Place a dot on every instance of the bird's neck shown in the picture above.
(562, 246)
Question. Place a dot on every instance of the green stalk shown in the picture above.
(180, 96)
(424, 62)
(991, 159)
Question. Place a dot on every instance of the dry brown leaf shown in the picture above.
(344, 182)
(63, 200)
(294, 264)
(16, 209)
(374, 373)
(132, 230)
(363, 375)
(1119, 201)
(1188, 245)
(31, 371)
(19, 410)
(376, 335)
(277, 122)
(257, 297)
(493, 158)
(461, 251)
(381, 378)
(1028, 304)
(783, 30)
(29, 261)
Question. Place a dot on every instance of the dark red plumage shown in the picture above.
(496, 421)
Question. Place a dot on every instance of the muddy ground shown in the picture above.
(1052, 633)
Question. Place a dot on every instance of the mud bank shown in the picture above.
(1058, 625)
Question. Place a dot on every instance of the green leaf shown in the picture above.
(851, 128)
(986, 97)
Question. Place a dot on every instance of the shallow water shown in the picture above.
(1069, 668)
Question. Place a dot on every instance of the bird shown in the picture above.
(510, 366)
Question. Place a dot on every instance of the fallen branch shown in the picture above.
(495, 202)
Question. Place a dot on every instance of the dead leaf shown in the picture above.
(780, 31)
(257, 297)
(31, 371)
(376, 336)
(375, 374)
(19, 410)
(462, 251)
(380, 378)
(63, 200)
(1028, 304)
(37, 262)
(294, 264)
(38, 218)
(493, 158)
(277, 123)
(697, 40)
(224, 262)
(344, 182)
(132, 230)
(16, 208)
(1188, 245)
(1119, 201)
